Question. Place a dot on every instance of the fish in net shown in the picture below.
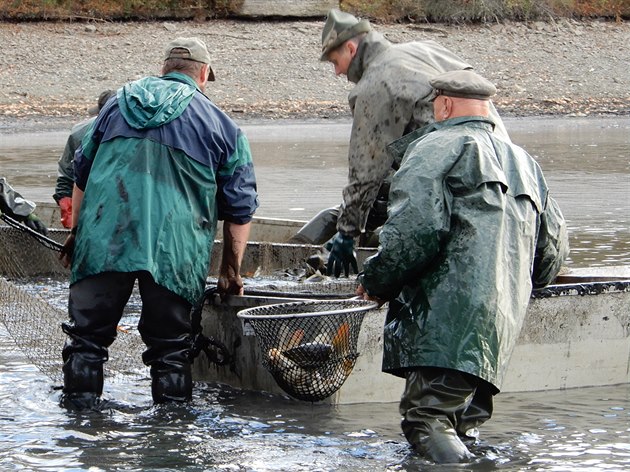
(309, 347)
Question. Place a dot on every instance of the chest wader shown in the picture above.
(442, 408)
(95, 307)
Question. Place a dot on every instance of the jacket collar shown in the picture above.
(372, 45)
(397, 148)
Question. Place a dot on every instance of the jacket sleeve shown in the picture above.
(237, 195)
(418, 222)
(552, 246)
(65, 172)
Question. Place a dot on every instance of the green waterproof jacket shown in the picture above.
(471, 228)
(159, 167)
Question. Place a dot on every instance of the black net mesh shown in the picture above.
(35, 327)
(310, 348)
(23, 253)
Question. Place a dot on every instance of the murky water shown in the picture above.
(228, 430)
(301, 168)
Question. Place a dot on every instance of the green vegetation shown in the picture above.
(447, 11)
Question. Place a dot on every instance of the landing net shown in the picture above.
(309, 347)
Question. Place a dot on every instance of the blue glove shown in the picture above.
(341, 255)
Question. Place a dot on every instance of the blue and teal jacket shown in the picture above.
(159, 167)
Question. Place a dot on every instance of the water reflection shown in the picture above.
(302, 167)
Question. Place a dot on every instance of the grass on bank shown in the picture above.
(444, 11)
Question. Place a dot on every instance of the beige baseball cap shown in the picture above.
(191, 49)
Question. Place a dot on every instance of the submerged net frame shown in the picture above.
(309, 347)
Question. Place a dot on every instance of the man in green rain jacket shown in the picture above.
(159, 167)
(471, 228)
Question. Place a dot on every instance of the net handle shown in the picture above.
(43, 240)
(368, 306)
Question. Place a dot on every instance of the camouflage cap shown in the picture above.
(462, 84)
(339, 28)
(191, 49)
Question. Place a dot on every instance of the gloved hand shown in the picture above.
(65, 256)
(33, 222)
(65, 205)
(341, 255)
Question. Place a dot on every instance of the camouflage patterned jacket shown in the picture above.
(390, 99)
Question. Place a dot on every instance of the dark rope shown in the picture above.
(215, 351)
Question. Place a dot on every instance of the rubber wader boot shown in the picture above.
(439, 444)
(82, 381)
(171, 385)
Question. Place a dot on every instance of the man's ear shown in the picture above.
(447, 108)
(352, 48)
(203, 75)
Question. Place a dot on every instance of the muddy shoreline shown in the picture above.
(53, 72)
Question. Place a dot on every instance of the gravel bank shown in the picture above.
(52, 72)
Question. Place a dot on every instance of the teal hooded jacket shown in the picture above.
(471, 229)
(159, 167)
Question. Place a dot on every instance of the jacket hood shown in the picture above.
(154, 101)
(370, 47)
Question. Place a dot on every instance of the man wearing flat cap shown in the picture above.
(390, 99)
(472, 228)
(160, 165)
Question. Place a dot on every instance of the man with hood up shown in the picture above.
(389, 100)
(157, 170)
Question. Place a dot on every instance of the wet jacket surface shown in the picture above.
(160, 167)
(471, 227)
(65, 167)
(12, 203)
(390, 99)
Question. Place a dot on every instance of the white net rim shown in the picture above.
(355, 306)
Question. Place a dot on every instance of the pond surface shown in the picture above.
(302, 167)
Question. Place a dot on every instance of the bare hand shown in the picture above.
(230, 285)
(364, 295)
(65, 256)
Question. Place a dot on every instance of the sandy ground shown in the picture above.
(51, 73)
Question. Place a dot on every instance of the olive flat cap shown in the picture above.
(463, 84)
(191, 49)
(339, 28)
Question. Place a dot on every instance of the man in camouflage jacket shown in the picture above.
(390, 99)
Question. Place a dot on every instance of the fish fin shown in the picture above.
(341, 340)
(294, 339)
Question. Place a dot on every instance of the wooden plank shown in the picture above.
(292, 8)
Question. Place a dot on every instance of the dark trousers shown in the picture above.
(440, 407)
(96, 306)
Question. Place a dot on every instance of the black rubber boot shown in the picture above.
(440, 407)
(82, 374)
(437, 442)
(169, 359)
(171, 386)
